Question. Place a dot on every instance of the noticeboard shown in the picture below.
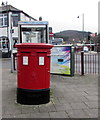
(62, 60)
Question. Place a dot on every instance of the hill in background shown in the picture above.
(70, 35)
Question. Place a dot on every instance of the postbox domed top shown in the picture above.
(34, 45)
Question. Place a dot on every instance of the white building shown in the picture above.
(9, 17)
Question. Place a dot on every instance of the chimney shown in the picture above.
(2, 3)
(40, 18)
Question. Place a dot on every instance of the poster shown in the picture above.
(61, 60)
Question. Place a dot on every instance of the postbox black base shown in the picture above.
(33, 97)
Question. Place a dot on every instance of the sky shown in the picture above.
(62, 14)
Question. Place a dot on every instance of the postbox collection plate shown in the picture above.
(41, 60)
(25, 60)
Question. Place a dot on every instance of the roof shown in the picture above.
(9, 8)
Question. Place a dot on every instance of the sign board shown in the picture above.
(51, 34)
(61, 62)
(33, 23)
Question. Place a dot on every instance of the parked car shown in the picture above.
(85, 49)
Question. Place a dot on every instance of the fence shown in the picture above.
(86, 63)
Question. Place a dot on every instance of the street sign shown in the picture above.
(51, 34)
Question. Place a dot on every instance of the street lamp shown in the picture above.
(82, 26)
(73, 42)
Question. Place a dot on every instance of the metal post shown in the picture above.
(7, 26)
(82, 62)
(72, 61)
(11, 46)
(83, 26)
(12, 60)
(47, 34)
(90, 45)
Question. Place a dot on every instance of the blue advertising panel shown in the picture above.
(33, 22)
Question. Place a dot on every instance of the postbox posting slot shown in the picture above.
(25, 57)
(41, 52)
(25, 52)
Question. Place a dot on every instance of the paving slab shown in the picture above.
(58, 115)
(70, 97)
(77, 114)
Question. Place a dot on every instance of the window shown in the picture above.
(35, 34)
(3, 43)
(3, 20)
(15, 20)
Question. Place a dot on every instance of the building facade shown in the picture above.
(9, 17)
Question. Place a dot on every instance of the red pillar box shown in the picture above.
(33, 74)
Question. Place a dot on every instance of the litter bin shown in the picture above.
(33, 73)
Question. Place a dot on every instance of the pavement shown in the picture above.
(70, 97)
